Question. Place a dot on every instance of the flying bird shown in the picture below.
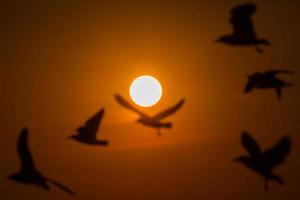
(243, 30)
(28, 173)
(263, 163)
(151, 121)
(87, 133)
(267, 80)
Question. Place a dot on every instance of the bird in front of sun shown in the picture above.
(28, 173)
(263, 163)
(146, 91)
(88, 132)
(267, 80)
(243, 29)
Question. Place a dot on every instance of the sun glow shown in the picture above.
(145, 91)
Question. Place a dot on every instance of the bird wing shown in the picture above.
(277, 154)
(280, 71)
(27, 164)
(169, 111)
(250, 144)
(127, 105)
(61, 186)
(241, 20)
(91, 126)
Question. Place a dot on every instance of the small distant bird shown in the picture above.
(243, 30)
(267, 80)
(263, 163)
(28, 173)
(151, 121)
(87, 133)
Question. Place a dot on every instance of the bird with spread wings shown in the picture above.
(263, 162)
(268, 80)
(28, 173)
(151, 121)
(243, 29)
(88, 132)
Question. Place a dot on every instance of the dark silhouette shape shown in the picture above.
(243, 30)
(87, 133)
(263, 163)
(151, 121)
(267, 80)
(28, 173)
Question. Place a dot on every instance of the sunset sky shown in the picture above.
(62, 61)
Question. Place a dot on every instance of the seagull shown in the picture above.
(263, 163)
(87, 133)
(243, 30)
(28, 173)
(267, 80)
(151, 121)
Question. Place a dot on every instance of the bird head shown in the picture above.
(250, 85)
(222, 39)
(72, 137)
(13, 177)
(241, 159)
(139, 120)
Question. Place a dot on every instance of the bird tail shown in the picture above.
(62, 187)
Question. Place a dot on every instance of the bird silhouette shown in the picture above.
(243, 30)
(267, 80)
(263, 163)
(28, 173)
(151, 121)
(87, 133)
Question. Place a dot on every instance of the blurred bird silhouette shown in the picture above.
(243, 30)
(87, 133)
(28, 173)
(267, 80)
(263, 163)
(151, 121)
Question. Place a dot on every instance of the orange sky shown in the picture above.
(62, 61)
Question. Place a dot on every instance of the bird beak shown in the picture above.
(235, 160)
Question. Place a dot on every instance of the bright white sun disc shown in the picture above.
(145, 91)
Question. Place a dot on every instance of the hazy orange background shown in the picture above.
(61, 61)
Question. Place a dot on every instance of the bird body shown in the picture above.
(258, 165)
(263, 163)
(151, 121)
(243, 30)
(34, 178)
(28, 173)
(267, 80)
(87, 133)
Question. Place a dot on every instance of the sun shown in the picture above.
(145, 91)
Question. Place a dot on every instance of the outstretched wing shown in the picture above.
(91, 126)
(27, 164)
(127, 105)
(61, 186)
(169, 111)
(241, 20)
(277, 154)
(280, 71)
(250, 145)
